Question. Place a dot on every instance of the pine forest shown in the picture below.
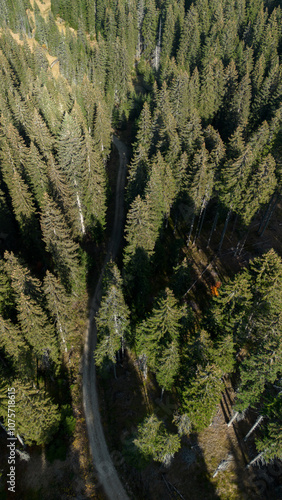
(141, 249)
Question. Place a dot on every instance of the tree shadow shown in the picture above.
(188, 474)
(136, 281)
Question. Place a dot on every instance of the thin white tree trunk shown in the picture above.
(61, 329)
(20, 440)
(63, 337)
(233, 418)
(80, 210)
(202, 221)
(156, 63)
(253, 428)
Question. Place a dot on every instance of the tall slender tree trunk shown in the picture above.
(62, 335)
(81, 218)
(20, 440)
(254, 427)
(202, 221)
(156, 63)
(213, 228)
(224, 229)
(145, 371)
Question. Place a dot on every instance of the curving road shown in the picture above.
(103, 463)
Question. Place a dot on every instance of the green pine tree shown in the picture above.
(37, 417)
(154, 441)
(59, 242)
(112, 319)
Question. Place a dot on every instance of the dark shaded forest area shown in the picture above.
(195, 90)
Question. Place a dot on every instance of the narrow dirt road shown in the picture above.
(103, 464)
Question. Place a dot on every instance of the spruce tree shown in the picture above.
(40, 134)
(59, 242)
(168, 33)
(260, 188)
(168, 366)
(139, 168)
(102, 129)
(212, 84)
(38, 417)
(32, 318)
(157, 337)
(11, 339)
(202, 396)
(59, 305)
(139, 229)
(180, 98)
(71, 158)
(154, 441)
(149, 28)
(161, 191)
(189, 45)
(36, 170)
(112, 319)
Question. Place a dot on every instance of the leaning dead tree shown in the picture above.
(233, 419)
(237, 416)
(258, 458)
(253, 428)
